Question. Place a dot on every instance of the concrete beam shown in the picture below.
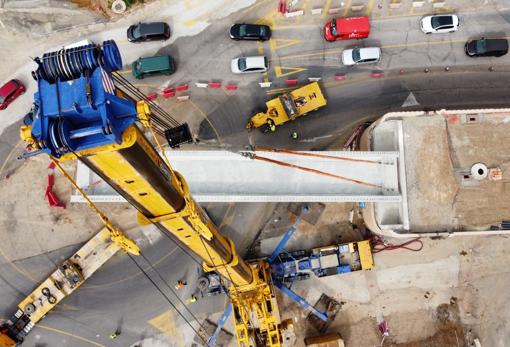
(221, 176)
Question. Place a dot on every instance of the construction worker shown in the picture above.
(115, 334)
(271, 125)
(294, 135)
(180, 284)
(193, 299)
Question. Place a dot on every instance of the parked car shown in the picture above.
(157, 31)
(486, 47)
(250, 32)
(441, 23)
(10, 91)
(249, 64)
(149, 66)
(358, 56)
(347, 28)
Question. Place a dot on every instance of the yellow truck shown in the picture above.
(289, 106)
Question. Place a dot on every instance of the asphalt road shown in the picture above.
(119, 295)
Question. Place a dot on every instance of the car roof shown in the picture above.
(257, 61)
(370, 52)
(7, 88)
(353, 24)
(153, 28)
(496, 44)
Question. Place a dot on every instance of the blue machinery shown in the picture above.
(87, 115)
(272, 260)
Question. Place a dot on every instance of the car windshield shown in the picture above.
(441, 21)
(333, 27)
(262, 31)
(481, 46)
(356, 56)
(241, 63)
(1, 99)
(136, 32)
(242, 30)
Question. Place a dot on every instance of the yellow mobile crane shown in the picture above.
(79, 116)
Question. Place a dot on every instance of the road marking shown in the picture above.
(208, 121)
(292, 70)
(322, 52)
(416, 44)
(370, 7)
(326, 8)
(347, 7)
(165, 323)
(124, 72)
(45, 327)
(267, 19)
(282, 43)
(190, 23)
(410, 101)
(260, 48)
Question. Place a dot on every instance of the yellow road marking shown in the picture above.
(326, 8)
(207, 119)
(347, 7)
(165, 323)
(282, 43)
(292, 70)
(260, 47)
(45, 327)
(370, 7)
(268, 19)
(337, 50)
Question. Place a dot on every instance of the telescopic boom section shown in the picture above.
(137, 172)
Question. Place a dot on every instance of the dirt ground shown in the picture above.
(444, 295)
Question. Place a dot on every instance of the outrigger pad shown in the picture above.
(178, 135)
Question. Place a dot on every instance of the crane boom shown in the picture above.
(89, 121)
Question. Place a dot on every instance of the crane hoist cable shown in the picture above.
(167, 299)
(131, 250)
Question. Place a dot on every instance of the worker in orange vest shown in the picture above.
(180, 284)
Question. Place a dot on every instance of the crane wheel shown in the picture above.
(203, 283)
(45, 291)
(52, 300)
(29, 309)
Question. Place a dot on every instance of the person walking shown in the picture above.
(180, 284)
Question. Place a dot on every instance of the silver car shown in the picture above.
(249, 64)
(357, 56)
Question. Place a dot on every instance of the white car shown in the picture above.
(249, 64)
(357, 56)
(441, 23)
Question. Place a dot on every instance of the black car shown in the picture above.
(157, 31)
(486, 47)
(250, 32)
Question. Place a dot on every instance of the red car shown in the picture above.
(347, 29)
(10, 91)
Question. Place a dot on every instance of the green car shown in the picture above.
(149, 66)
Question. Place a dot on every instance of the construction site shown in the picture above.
(156, 191)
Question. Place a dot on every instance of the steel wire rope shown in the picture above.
(105, 219)
(247, 311)
(118, 78)
(173, 291)
(166, 298)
